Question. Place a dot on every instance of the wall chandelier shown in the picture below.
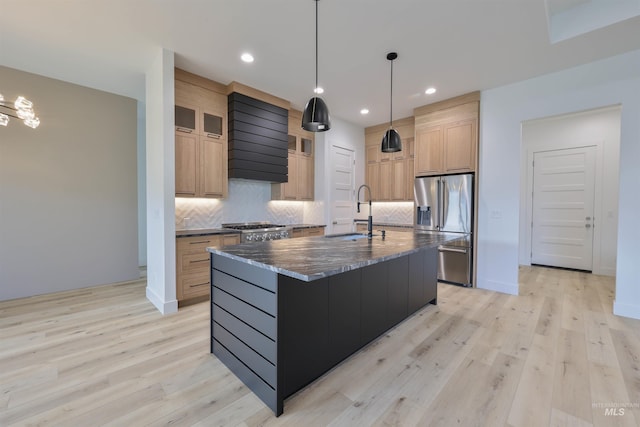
(21, 109)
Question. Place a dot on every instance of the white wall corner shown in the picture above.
(164, 307)
(492, 285)
(626, 310)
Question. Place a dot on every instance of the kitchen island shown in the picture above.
(284, 312)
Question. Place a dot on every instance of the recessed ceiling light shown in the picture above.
(318, 90)
(247, 57)
(364, 111)
(430, 91)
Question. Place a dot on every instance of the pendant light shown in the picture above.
(391, 141)
(316, 114)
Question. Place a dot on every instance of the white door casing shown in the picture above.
(342, 189)
(563, 208)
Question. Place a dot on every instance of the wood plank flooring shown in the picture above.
(553, 356)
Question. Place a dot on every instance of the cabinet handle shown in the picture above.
(197, 243)
(200, 260)
(460, 251)
(199, 284)
(214, 135)
(185, 130)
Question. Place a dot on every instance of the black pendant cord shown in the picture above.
(315, 90)
(391, 103)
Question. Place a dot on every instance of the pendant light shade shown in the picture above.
(391, 141)
(315, 117)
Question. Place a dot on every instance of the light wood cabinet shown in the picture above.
(301, 182)
(201, 166)
(192, 265)
(308, 232)
(387, 173)
(447, 140)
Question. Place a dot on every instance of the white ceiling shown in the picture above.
(457, 46)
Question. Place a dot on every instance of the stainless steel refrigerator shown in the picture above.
(445, 204)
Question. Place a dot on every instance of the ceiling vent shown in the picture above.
(258, 139)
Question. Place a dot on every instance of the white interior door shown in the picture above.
(342, 189)
(563, 208)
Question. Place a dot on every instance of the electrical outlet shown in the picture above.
(185, 222)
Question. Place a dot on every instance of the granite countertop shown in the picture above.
(312, 258)
(209, 231)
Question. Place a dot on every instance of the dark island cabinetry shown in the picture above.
(279, 333)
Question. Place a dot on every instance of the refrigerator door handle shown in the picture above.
(445, 249)
(444, 198)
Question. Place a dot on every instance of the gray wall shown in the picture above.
(68, 189)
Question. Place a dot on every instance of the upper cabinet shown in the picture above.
(390, 175)
(446, 136)
(301, 182)
(201, 148)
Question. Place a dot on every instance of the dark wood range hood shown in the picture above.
(258, 137)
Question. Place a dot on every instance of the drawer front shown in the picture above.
(316, 232)
(230, 239)
(194, 285)
(197, 243)
(195, 262)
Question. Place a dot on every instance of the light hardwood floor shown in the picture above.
(553, 356)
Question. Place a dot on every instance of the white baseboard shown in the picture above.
(164, 307)
(626, 310)
(611, 272)
(492, 285)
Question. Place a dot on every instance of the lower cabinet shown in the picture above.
(193, 279)
(279, 333)
(307, 232)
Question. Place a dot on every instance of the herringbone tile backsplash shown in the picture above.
(251, 201)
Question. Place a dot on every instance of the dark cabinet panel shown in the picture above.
(374, 301)
(303, 332)
(430, 264)
(344, 315)
(416, 294)
(398, 290)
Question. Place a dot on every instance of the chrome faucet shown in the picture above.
(370, 219)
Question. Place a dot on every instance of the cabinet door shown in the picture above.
(384, 183)
(410, 177)
(290, 188)
(399, 180)
(187, 118)
(460, 146)
(372, 154)
(213, 172)
(373, 179)
(428, 151)
(305, 177)
(186, 160)
(373, 302)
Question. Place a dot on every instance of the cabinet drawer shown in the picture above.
(316, 232)
(197, 243)
(194, 285)
(231, 239)
(195, 262)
